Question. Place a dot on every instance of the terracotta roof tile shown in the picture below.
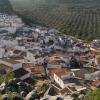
(96, 82)
(37, 69)
(9, 60)
(53, 62)
(58, 71)
(27, 65)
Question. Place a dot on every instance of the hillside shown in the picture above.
(80, 18)
(5, 7)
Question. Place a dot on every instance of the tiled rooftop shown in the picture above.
(37, 69)
(96, 82)
(2, 66)
(98, 59)
(17, 58)
(9, 60)
(53, 62)
(58, 71)
(57, 53)
(28, 65)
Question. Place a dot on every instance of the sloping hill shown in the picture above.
(80, 18)
(5, 7)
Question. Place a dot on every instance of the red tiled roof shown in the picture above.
(27, 65)
(94, 83)
(53, 62)
(58, 71)
(57, 53)
(37, 69)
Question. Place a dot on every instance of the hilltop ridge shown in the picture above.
(80, 18)
(5, 7)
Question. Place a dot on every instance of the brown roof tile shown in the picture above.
(58, 71)
(37, 69)
(53, 62)
(9, 60)
(96, 82)
(98, 59)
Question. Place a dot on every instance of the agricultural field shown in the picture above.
(80, 18)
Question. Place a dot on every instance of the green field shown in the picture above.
(80, 18)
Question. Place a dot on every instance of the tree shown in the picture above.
(93, 95)
(74, 63)
(9, 75)
(17, 97)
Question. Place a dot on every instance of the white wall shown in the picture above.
(2, 53)
(25, 76)
(20, 48)
(40, 60)
(17, 66)
(30, 57)
(59, 81)
(5, 63)
(9, 43)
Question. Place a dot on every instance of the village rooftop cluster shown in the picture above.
(10, 23)
(39, 55)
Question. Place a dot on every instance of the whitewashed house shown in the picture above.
(42, 31)
(8, 54)
(12, 63)
(60, 76)
(22, 48)
(30, 55)
(65, 79)
(35, 35)
(8, 43)
(39, 60)
(97, 61)
(19, 72)
(2, 51)
(68, 80)
(61, 80)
